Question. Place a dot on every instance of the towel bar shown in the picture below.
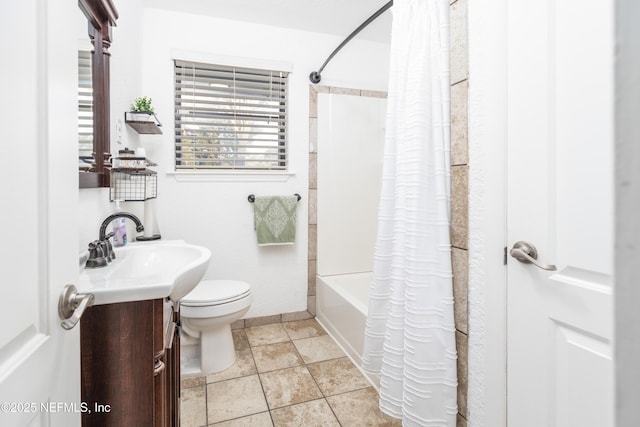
(252, 197)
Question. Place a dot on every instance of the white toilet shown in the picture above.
(206, 313)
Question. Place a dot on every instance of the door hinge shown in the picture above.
(504, 257)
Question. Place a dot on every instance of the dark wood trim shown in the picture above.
(89, 179)
(101, 16)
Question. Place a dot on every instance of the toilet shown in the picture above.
(206, 314)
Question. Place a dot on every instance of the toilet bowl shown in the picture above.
(206, 314)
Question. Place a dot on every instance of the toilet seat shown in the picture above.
(215, 292)
(216, 298)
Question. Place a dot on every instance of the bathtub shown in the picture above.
(342, 302)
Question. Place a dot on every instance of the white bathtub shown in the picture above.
(342, 302)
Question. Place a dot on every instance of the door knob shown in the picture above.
(526, 253)
(71, 305)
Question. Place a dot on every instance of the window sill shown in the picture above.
(231, 176)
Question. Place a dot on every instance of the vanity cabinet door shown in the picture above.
(130, 375)
(117, 349)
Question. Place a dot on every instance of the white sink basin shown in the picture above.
(147, 270)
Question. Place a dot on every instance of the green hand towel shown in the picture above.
(275, 219)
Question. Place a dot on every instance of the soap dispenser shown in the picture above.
(119, 229)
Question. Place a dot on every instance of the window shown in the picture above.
(85, 108)
(230, 117)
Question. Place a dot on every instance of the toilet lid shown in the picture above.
(212, 292)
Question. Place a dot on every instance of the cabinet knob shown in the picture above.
(158, 367)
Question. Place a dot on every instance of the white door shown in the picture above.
(560, 199)
(39, 361)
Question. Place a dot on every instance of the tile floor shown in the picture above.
(286, 374)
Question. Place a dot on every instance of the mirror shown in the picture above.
(101, 16)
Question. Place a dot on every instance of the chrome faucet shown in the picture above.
(101, 250)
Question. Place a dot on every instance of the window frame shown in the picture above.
(234, 165)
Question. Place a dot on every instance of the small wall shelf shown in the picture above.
(143, 123)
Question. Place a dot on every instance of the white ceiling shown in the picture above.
(338, 17)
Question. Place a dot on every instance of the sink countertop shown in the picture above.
(147, 270)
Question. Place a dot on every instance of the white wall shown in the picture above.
(215, 212)
(350, 151)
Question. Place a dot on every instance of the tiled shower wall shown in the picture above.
(313, 178)
(459, 192)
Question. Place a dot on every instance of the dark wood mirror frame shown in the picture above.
(101, 16)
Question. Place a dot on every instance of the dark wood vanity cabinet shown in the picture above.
(130, 365)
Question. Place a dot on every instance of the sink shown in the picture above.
(147, 270)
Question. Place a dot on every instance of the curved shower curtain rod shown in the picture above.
(315, 75)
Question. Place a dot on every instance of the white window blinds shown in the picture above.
(85, 104)
(230, 117)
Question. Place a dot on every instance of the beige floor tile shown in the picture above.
(262, 419)
(303, 329)
(240, 339)
(276, 356)
(317, 349)
(192, 382)
(289, 386)
(266, 334)
(360, 408)
(242, 367)
(313, 413)
(234, 398)
(337, 376)
(193, 407)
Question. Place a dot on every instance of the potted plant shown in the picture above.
(141, 109)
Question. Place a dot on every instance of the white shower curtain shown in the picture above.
(410, 332)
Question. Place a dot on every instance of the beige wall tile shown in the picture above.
(313, 241)
(459, 53)
(313, 170)
(238, 324)
(321, 88)
(460, 266)
(459, 138)
(313, 206)
(263, 320)
(344, 91)
(461, 422)
(463, 352)
(459, 206)
(313, 102)
(311, 277)
(297, 315)
(313, 135)
(373, 93)
(311, 304)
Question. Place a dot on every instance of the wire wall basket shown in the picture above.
(129, 186)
